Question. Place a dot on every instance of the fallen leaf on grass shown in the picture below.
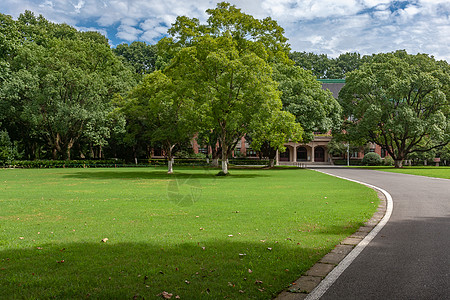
(21, 237)
(105, 240)
(230, 235)
(250, 271)
(165, 295)
(39, 248)
(187, 282)
(60, 262)
(258, 282)
(270, 249)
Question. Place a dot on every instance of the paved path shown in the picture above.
(410, 256)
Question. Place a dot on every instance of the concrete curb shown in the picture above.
(314, 283)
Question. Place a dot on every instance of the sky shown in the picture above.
(331, 27)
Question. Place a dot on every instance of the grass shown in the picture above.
(429, 171)
(192, 234)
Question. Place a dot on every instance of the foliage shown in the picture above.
(388, 161)
(8, 151)
(302, 95)
(372, 159)
(164, 108)
(324, 67)
(400, 102)
(228, 61)
(58, 85)
(144, 58)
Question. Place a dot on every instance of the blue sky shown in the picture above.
(321, 26)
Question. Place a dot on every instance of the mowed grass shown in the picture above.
(429, 171)
(192, 234)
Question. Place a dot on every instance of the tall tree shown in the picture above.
(143, 57)
(59, 80)
(228, 62)
(164, 108)
(302, 95)
(400, 102)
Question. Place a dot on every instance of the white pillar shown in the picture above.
(312, 153)
(295, 154)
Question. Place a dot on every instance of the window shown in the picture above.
(354, 154)
(203, 150)
(372, 150)
(383, 153)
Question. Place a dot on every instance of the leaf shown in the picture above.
(165, 295)
(250, 271)
(105, 240)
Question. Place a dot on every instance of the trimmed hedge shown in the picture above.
(372, 159)
(113, 163)
(343, 162)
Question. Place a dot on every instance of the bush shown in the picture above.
(372, 159)
(8, 151)
(388, 161)
(343, 162)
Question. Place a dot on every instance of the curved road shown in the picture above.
(410, 256)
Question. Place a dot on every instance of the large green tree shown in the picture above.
(400, 102)
(302, 95)
(58, 81)
(229, 62)
(164, 110)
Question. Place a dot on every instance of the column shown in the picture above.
(312, 153)
(294, 156)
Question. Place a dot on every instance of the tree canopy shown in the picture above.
(400, 102)
(57, 85)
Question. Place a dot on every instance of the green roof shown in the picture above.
(332, 80)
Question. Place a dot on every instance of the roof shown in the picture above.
(332, 80)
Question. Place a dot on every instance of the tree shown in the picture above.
(302, 95)
(399, 102)
(270, 136)
(228, 61)
(164, 108)
(58, 80)
(143, 57)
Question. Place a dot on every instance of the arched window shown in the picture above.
(319, 154)
(302, 154)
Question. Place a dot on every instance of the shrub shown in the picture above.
(372, 159)
(8, 151)
(388, 161)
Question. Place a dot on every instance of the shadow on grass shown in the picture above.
(151, 174)
(125, 270)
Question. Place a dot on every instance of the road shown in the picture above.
(410, 256)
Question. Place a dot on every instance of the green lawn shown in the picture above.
(439, 172)
(192, 234)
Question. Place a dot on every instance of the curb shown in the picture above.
(314, 283)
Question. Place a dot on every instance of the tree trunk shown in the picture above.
(170, 166)
(54, 153)
(399, 163)
(170, 159)
(215, 162)
(271, 162)
(224, 158)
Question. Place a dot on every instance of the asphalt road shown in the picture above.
(410, 256)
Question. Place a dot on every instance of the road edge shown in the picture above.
(323, 274)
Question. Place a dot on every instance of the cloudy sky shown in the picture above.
(320, 26)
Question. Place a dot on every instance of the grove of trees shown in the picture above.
(66, 94)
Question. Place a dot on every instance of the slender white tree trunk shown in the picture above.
(170, 166)
(224, 159)
(224, 166)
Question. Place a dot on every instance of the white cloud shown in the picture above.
(321, 26)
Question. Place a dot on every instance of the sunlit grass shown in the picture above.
(192, 234)
(430, 171)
